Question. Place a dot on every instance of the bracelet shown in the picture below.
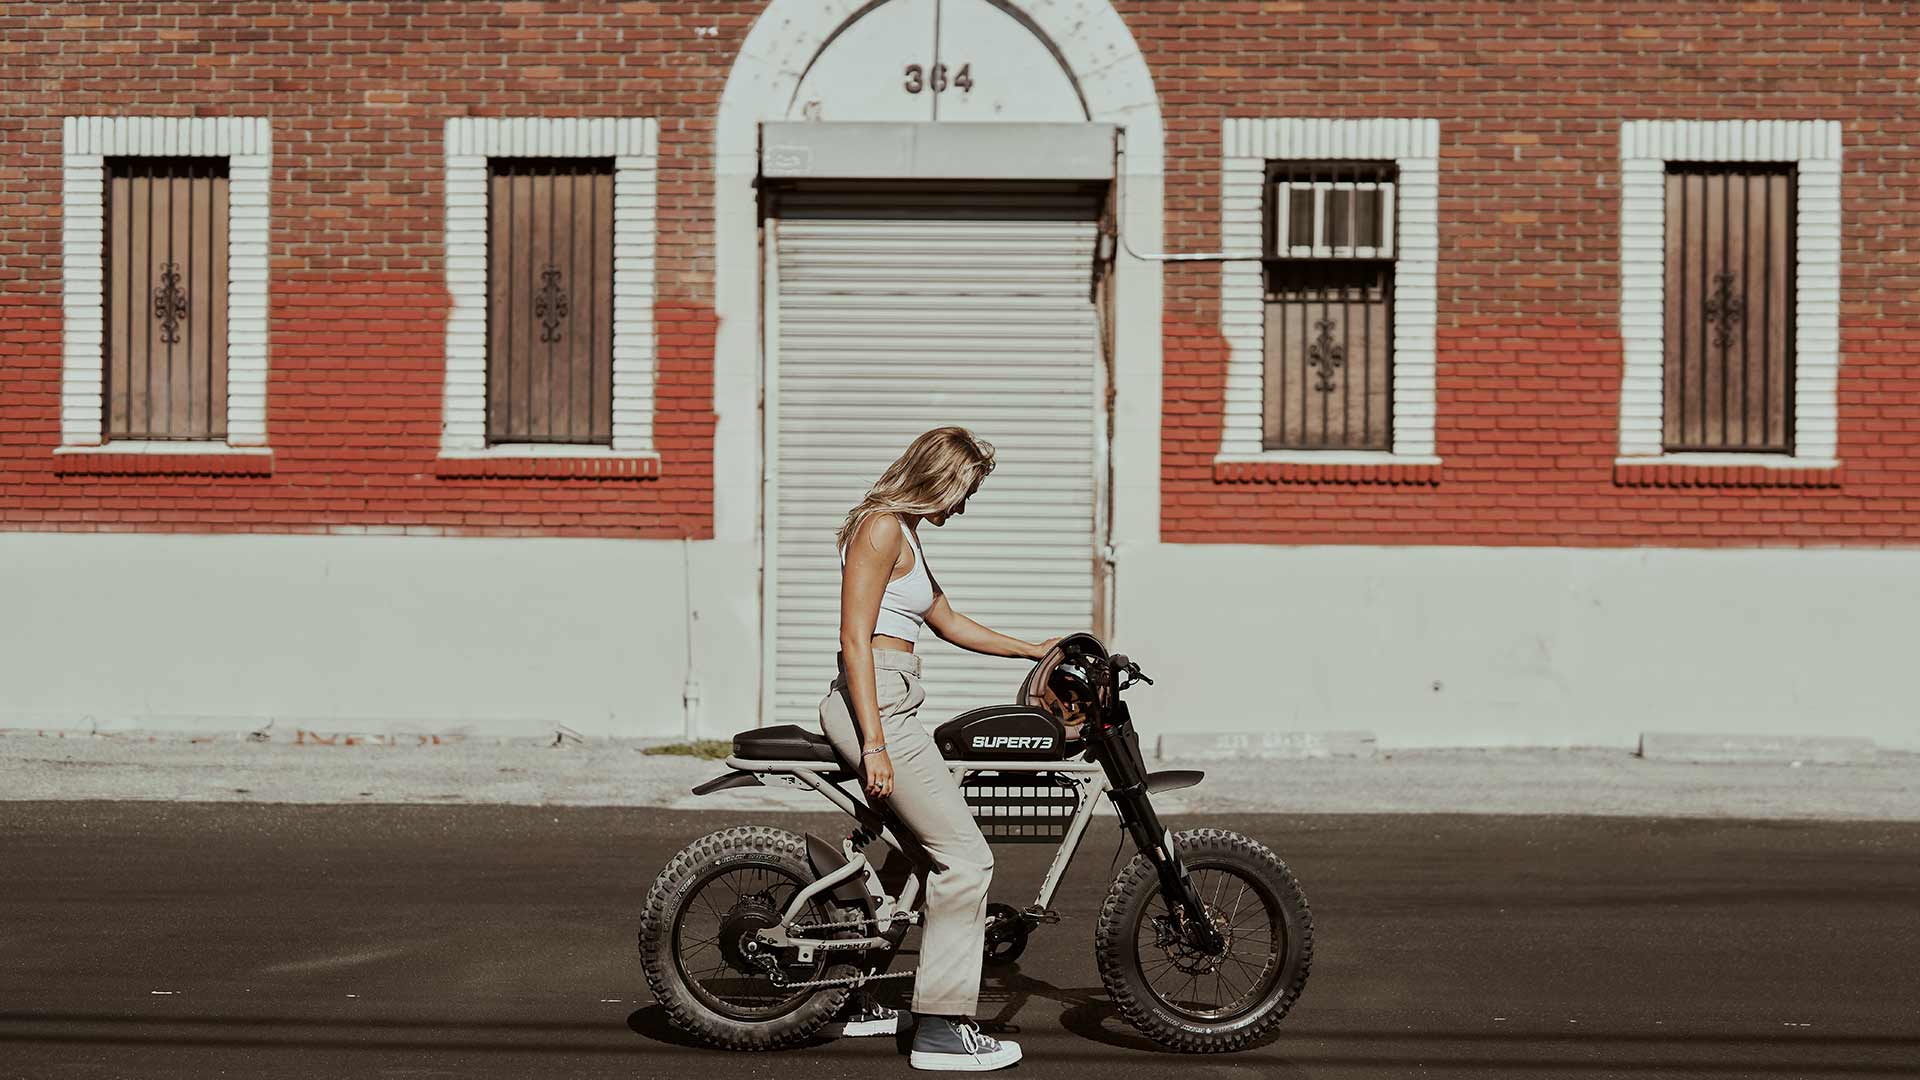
(880, 749)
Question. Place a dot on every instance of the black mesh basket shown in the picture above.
(1021, 807)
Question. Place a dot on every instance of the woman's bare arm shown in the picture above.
(957, 629)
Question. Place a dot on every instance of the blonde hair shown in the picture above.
(941, 468)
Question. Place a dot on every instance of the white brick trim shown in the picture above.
(1646, 146)
(1246, 147)
(86, 143)
(634, 144)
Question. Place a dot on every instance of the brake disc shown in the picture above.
(1171, 938)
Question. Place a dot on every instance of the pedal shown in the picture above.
(1038, 914)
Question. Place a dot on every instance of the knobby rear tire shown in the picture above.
(746, 845)
(1138, 886)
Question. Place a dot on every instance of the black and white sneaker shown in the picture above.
(862, 1015)
(944, 1045)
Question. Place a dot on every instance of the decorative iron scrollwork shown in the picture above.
(1724, 310)
(170, 303)
(1324, 356)
(550, 304)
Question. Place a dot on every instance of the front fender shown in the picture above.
(1172, 780)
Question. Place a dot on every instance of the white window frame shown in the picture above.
(633, 144)
(86, 144)
(1316, 247)
(1646, 147)
(1247, 146)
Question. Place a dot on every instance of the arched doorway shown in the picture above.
(930, 246)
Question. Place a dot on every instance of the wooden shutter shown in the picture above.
(1729, 308)
(550, 301)
(166, 298)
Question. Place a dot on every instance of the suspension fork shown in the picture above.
(1119, 754)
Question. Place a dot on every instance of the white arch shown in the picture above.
(1106, 63)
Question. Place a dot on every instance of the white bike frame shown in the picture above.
(1089, 775)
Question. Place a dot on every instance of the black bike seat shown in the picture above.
(784, 742)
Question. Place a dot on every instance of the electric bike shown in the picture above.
(753, 937)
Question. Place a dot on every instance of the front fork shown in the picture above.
(1119, 753)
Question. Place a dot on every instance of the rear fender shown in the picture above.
(734, 779)
(825, 859)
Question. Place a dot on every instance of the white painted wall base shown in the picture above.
(1551, 647)
(1505, 647)
(375, 634)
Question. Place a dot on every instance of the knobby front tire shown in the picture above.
(1146, 980)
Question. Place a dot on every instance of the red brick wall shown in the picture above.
(1529, 97)
(358, 93)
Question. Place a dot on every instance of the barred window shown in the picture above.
(166, 298)
(1328, 375)
(1729, 380)
(550, 300)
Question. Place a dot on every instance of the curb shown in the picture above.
(1266, 745)
(1757, 749)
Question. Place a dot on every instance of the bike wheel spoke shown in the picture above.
(748, 996)
(1173, 984)
(1164, 955)
(1234, 917)
(1157, 966)
(1194, 980)
(1221, 976)
(1258, 976)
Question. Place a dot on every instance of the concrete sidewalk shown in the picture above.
(603, 772)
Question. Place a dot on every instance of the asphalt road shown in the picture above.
(200, 940)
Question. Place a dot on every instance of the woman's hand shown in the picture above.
(879, 770)
(1041, 650)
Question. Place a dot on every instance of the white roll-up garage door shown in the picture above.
(899, 308)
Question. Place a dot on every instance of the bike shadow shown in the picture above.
(1088, 1014)
(652, 1022)
(1087, 1011)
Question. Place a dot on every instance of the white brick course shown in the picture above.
(1646, 146)
(87, 141)
(1247, 145)
(634, 145)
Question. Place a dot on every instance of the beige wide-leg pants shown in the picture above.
(926, 798)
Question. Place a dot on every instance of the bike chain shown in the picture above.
(848, 924)
(850, 981)
(771, 968)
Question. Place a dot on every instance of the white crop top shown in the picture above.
(903, 607)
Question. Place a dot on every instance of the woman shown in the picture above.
(871, 715)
